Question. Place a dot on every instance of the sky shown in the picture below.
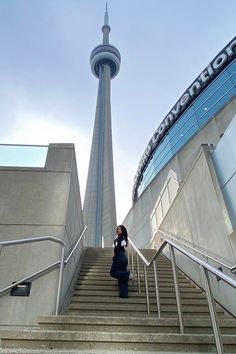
(48, 92)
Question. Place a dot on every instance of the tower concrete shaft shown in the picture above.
(99, 203)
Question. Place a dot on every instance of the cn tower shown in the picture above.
(99, 203)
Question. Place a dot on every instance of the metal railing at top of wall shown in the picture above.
(62, 262)
(206, 269)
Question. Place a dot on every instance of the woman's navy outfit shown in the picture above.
(119, 266)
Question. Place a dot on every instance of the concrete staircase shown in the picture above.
(96, 321)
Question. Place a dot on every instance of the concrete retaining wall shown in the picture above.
(38, 202)
(199, 216)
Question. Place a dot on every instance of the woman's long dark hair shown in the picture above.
(124, 233)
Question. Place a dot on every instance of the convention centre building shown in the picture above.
(185, 185)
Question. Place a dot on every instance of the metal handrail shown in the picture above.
(75, 246)
(31, 240)
(29, 277)
(205, 255)
(62, 262)
(40, 239)
(205, 267)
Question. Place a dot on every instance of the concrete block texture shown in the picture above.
(33, 197)
(34, 203)
(198, 216)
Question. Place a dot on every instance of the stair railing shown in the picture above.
(205, 268)
(204, 254)
(61, 263)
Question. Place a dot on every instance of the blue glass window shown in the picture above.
(210, 89)
(232, 71)
(162, 154)
(183, 130)
(149, 173)
(210, 101)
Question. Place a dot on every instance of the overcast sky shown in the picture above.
(47, 90)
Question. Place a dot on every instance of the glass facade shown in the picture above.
(198, 113)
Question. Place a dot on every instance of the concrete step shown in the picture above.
(107, 266)
(108, 258)
(137, 300)
(108, 313)
(98, 285)
(109, 281)
(47, 340)
(133, 324)
(107, 277)
(130, 304)
(133, 291)
(98, 253)
(88, 351)
(136, 313)
(165, 270)
(152, 294)
(108, 262)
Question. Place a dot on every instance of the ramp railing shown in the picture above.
(195, 249)
(60, 263)
(206, 269)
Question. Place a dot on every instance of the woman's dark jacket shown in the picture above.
(119, 245)
(120, 260)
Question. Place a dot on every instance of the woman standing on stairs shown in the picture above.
(120, 261)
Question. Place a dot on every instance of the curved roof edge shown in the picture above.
(221, 60)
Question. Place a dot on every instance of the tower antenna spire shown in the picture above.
(106, 18)
(106, 28)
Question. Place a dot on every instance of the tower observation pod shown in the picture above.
(99, 203)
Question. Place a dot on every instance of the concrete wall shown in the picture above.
(164, 201)
(38, 202)
(226, 168)
(199, 216)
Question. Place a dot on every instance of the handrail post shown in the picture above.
(132, 261)
(138, 273)
(61, 271)
(215, 325)
(146, 287)
(128, 254)
(177, 292)
(157, 289)
(1, 246)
